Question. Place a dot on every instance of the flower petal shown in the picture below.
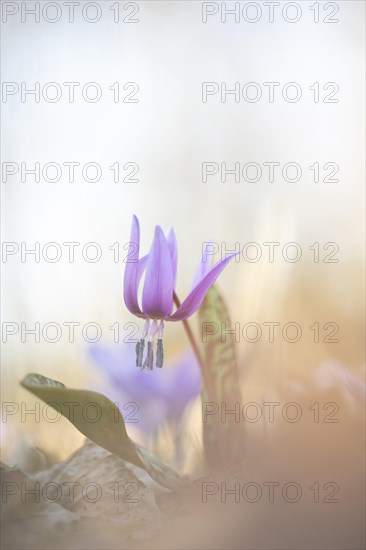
(133, 270)
(157, 295)
(173, 249)
(205, 264)
(195, 297)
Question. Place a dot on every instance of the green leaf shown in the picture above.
(100, 420)
(223, 438)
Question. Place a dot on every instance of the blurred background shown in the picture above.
(169, 133)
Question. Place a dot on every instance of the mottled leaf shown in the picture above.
(100, 420)
(223, 435)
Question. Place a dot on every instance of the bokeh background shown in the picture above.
(169, 133)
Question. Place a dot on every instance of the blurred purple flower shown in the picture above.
(160, 268)
(330, 376)
(159, 398)
(334, 374)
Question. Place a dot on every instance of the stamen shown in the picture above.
(149, 360)
(153, 330)
(141, 344)
(146, 328)
(140, 352)
(159, 350)
(161, 329)
(159, 354)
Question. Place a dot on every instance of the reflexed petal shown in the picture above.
(195, 297)
(205, 264)
(173, 249)
(132, 271)
(157, 295)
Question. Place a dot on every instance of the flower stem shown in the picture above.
(208, 385)
(207, 380)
